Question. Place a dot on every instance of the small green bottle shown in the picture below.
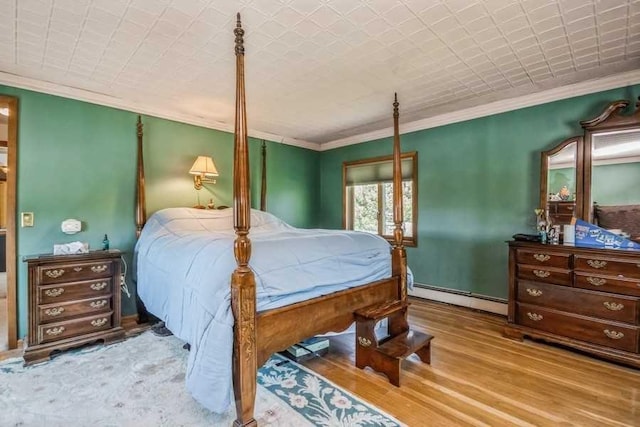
(105, 243)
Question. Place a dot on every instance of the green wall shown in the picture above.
(478, 184)
(78, 160)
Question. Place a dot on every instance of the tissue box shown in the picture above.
(70, 248)
(588, 234)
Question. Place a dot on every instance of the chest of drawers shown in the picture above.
(584, 298)
(73, 300)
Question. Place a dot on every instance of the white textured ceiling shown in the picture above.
(317, 70)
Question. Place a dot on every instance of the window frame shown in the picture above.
(347, 202)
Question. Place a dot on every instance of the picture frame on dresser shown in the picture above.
(73, 300)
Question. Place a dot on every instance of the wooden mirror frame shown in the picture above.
(609, 120)
(579, 166)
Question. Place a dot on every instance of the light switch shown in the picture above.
(26, 219)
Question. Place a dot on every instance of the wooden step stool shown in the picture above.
(386, 355)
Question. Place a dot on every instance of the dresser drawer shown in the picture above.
(602, 282)
(544, 274)
(56, 312)
(543, 258)
(62, 292)
(74, 271)
(588, 303)
(608, 334)
(71, 328)
(612, 266)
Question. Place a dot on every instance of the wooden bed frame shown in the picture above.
(257, 335)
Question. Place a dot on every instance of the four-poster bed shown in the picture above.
(262, 324)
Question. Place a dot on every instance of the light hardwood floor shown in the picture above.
(479, 378)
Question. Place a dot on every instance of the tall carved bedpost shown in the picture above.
(141, 208)
(398, 253)
(263, 186)
(141, 213)
(243, 286)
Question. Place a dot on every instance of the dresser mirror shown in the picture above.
(561, 180)
(595, 177)
(612, 170)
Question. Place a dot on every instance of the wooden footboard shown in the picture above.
(283, 327)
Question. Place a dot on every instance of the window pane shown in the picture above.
(407, 206)
(365, 208)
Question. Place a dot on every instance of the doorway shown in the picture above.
(8, 163)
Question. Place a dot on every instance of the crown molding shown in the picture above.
(542, 97)
(84, 95)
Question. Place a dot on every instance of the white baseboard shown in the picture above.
(461, 300)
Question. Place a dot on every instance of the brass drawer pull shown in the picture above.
(98, 286)
(534, 292)
(596, 263)
(98, 304)
(77, 269)
(99, 268)
(98, 322)
(364, 342)
(535, 316)
(614, 335)
(541, 257)
(54, 274)
(54, 331)
(613, 306)
(54, 292)
(541, 273)
(596, 281)
(57, 311)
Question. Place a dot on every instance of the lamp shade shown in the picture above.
(204, 166)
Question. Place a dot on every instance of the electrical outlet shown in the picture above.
(26, 219)
(122, 280)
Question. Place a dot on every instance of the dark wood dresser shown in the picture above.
(585, 298)
(73, 300)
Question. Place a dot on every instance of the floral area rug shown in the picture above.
(140, 382)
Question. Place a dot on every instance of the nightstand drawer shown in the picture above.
(572, 300)
(543, 258)
(62, 292)
(544, 274)
(603, 265)
(75, 271)
(609, 334)
(71, 328)
(56, 312)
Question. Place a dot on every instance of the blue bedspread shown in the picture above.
(184, 264)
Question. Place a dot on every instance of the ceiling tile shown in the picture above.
(510, 11)
(303, 6)
(435, 13)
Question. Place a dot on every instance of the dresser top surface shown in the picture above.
(573, 248)
(91, 255)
